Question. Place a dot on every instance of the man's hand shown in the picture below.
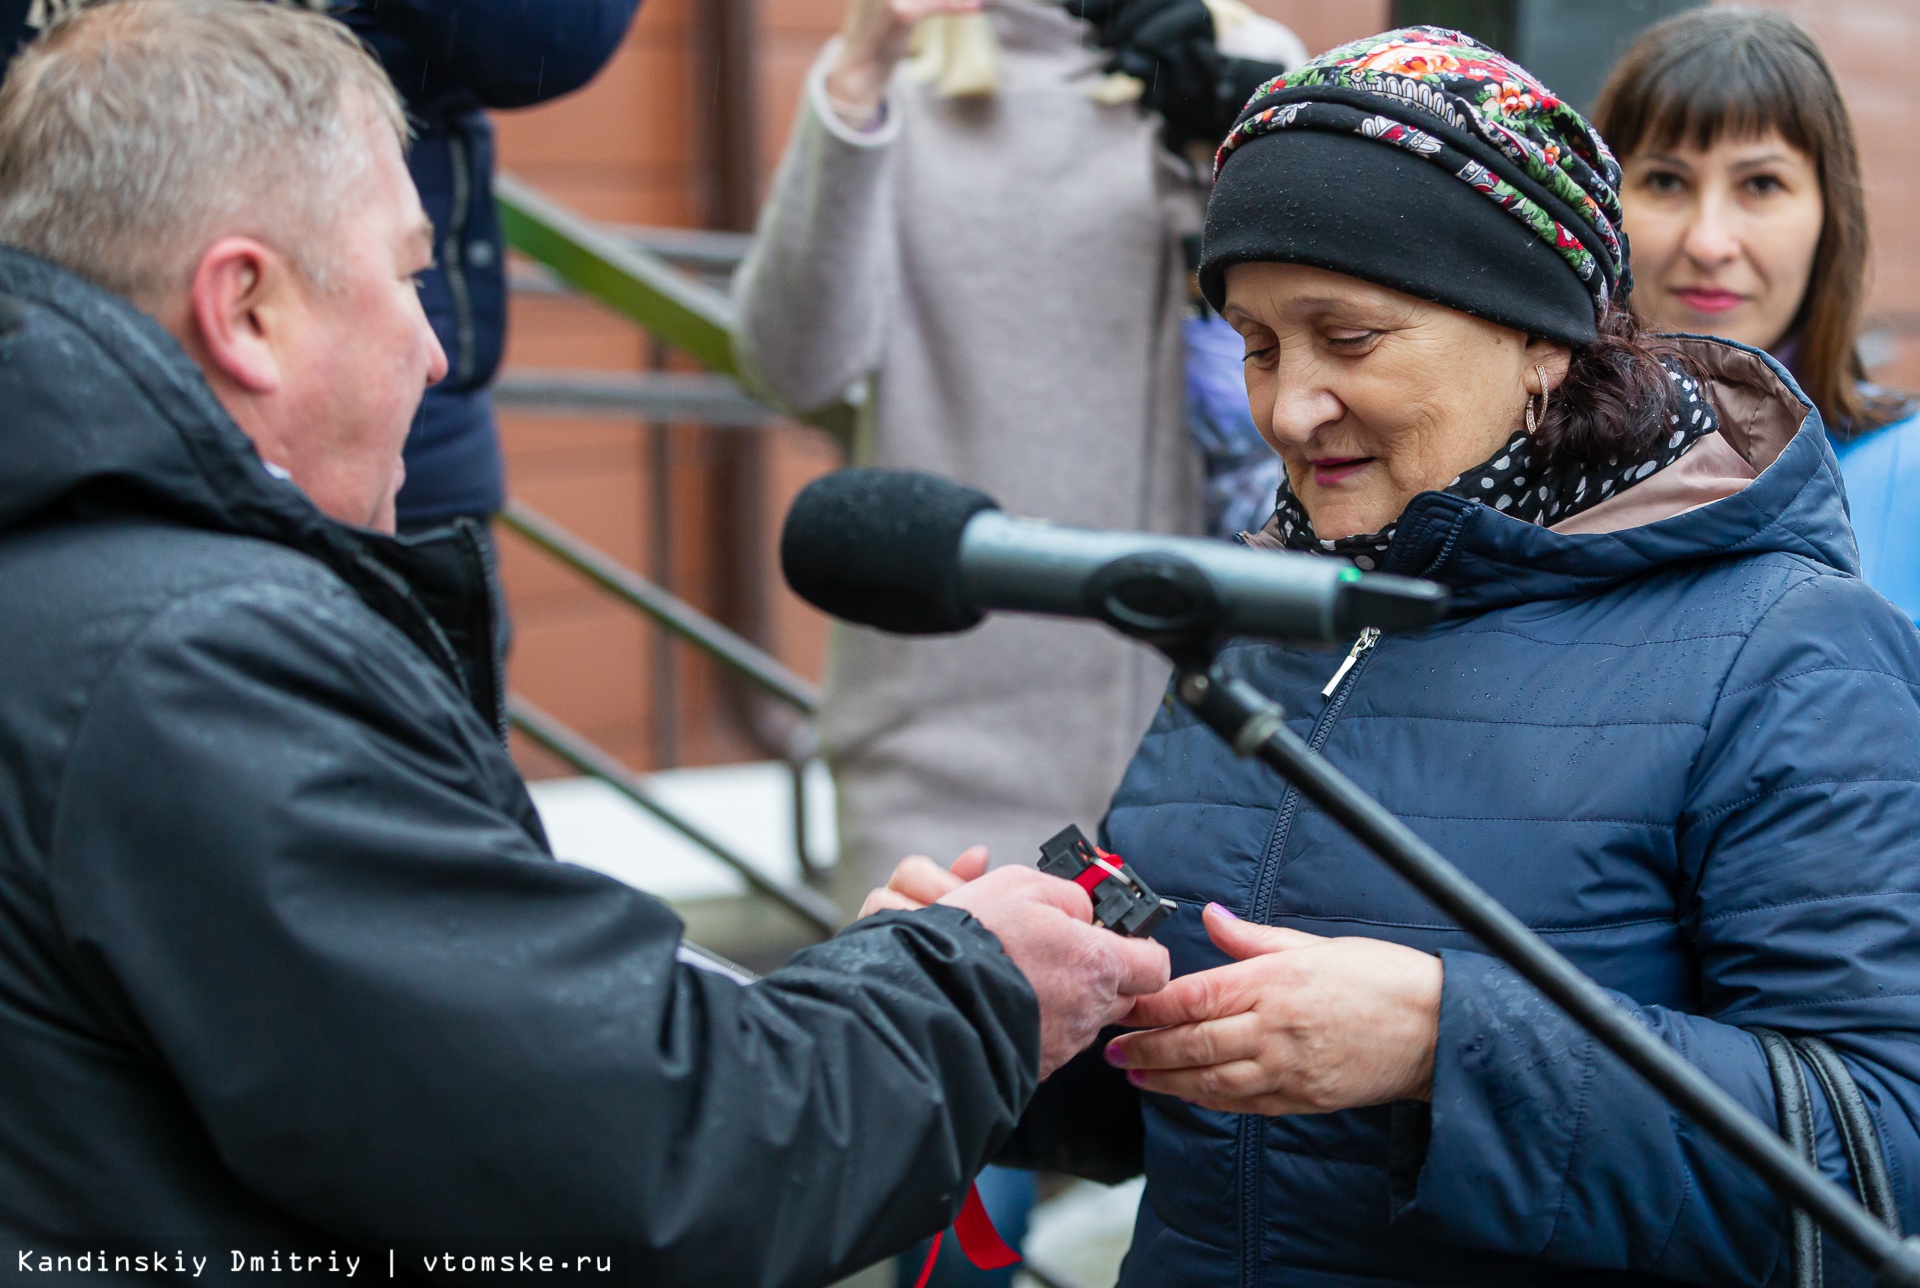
(873, 40)
(1085, 977)
(1298, 1025)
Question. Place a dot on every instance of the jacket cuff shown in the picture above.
(952, 943)
(1486, 1165)
(820, 105)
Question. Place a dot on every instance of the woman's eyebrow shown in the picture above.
(1320, 305)
(1766, 159)
(1665, 158)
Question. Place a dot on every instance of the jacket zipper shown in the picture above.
(1251, 1143)
(496, 609)
(1361, 647)
(454, 258)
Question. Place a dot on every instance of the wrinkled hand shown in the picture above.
(1298, 1024)
(919, 881)
(873, 40)
(1084, 977)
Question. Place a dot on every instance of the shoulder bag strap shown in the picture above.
(1796, 1127)
(1866, 1156)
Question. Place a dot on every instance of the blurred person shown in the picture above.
(451, 61)
(991, 229)
(982, 207)
(288, 962)
(1167, 47)
(1743, 200)
(1666, 725)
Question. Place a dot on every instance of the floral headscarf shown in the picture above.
(1451, 100)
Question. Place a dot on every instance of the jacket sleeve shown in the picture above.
(278, 858)
(490, 53)
(1799, 857)
(815, 290)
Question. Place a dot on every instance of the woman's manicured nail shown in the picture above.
(1116, 1055)
(1223, 911)
(1137, 1077)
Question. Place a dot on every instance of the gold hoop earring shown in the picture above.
(1535, 421)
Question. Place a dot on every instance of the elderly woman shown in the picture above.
(1666, 724)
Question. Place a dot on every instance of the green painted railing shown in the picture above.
(691, 316)
(637, 284)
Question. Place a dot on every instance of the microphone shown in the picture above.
(915, 554)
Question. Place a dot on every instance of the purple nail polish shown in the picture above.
(1137, 1077)
(1225, 911)
(1116, 1055)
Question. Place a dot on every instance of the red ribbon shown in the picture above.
(980, 1242)
(1094, 873)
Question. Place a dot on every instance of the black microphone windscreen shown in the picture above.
(882, 548)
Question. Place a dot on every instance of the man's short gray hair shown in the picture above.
(136, 133)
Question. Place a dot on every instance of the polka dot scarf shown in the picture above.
(1510, 484)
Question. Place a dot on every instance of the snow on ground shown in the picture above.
(749, 808)
(1078, 1238)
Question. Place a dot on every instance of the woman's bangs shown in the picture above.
(1696, 97)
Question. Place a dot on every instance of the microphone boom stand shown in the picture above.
(1254, 725)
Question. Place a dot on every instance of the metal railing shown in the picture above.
(643, 275)
(638, 274)
(689, 315)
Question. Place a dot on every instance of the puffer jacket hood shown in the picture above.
(1688, 752)
(105, 412)
(1796, 506)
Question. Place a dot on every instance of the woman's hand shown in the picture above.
(873, 40)
(919, 881)
(1297, 1024)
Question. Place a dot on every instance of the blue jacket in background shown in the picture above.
(1689, 755)
(450, 60)
(1882, 470)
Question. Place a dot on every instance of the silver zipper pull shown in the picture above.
(1368, 638)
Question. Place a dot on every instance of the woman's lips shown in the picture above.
(1709, 299)
(1338, 469)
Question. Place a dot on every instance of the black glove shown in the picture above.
(1169, 46)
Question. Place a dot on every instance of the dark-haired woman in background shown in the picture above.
(1744, 207)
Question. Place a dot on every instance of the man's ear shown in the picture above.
(237, 306)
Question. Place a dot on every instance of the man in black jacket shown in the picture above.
(284, 959)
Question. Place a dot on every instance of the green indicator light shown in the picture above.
(1350, 574)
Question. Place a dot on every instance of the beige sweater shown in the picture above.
(1008, 270)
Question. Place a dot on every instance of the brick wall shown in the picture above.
(1873, 47)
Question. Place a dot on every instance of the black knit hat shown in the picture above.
(1426, 162)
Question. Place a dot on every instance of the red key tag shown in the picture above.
(980, 1242)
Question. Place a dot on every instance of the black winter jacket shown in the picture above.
(283, 953)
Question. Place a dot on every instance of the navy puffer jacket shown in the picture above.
(1689, 754)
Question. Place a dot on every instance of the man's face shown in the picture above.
(362, 351)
